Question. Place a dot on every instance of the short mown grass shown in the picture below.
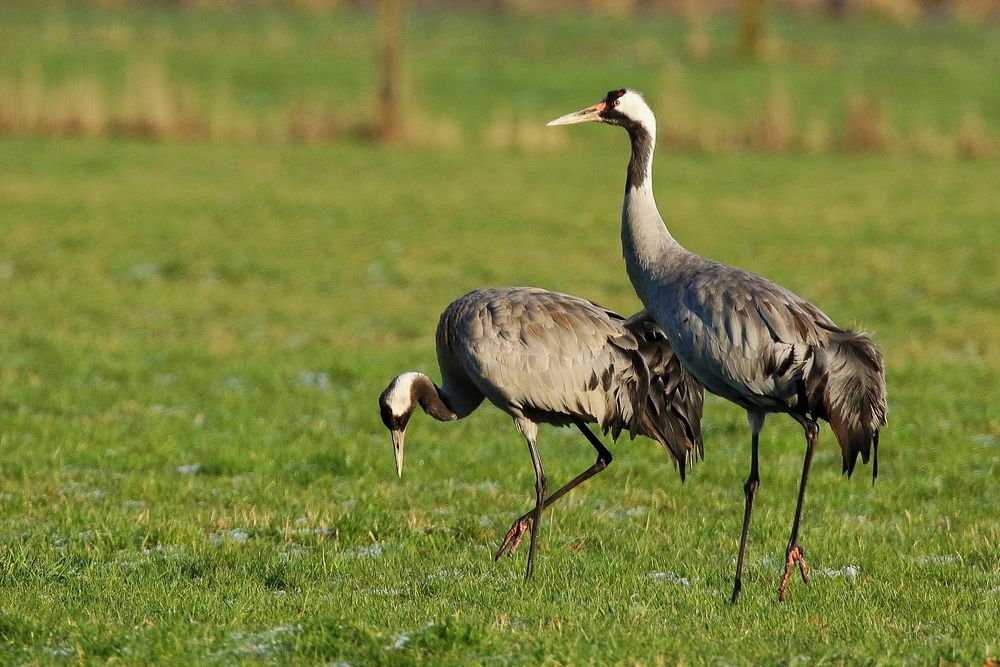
(194, 337)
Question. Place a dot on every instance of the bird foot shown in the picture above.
(514, 536)
(795, 554)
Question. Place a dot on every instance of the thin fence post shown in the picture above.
(390, 117)
(752, 27)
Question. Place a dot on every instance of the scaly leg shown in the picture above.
(795, 553)
(523, 523)
(529, 430)
(756, 420)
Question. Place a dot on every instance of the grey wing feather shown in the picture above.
(559, 359)
(673, 407)
(549, 356)
(765, 348)
(746, 338)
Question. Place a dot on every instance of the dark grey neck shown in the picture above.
(427, 394)
(642, 155)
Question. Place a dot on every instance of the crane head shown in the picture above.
(624, 107)
(396, 405)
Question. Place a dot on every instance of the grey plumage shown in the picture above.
(558, 359)
(768, 350)
(742, 336)
(549, 358)
(673, 407)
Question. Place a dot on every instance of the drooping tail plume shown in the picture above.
(671, 413)
(854, 396)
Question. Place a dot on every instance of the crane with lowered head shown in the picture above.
(549, 358)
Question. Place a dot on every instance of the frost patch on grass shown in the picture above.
(292, 551)
(371, 551)
(265, 643)
(403, 638)
(944, 559)
(848, 571)
(313, 379)
(145, 271)
(765, 562)
(131, 560)
(169, 550)
(235, 535)
(189, 469)
(505, 623)
(166, 379)
(87, 536)
(319, 531)
(621, 513)
(489, 487)
(443, 574)
(671, 577)
(234, 384)
(60, 651)
(125, 560)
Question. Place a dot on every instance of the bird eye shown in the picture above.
(617, 102)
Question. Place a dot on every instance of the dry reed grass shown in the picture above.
(697, 43)
(615, 8)
(902, 11)
(151, 105)
(816, 135)
(773, 129)
(509, 132)
(927, 140)
(311, 122)
(972, 139)
(867, 126)
(427, 130)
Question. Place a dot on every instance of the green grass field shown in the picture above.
(194, 337)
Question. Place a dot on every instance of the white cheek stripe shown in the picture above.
(633, 106)
(399, 396)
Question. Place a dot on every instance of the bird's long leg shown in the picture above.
(795, 553)
(756, 420)
(540, 486)
(516, 533)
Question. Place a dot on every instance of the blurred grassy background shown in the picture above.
(486, 79)
(197, 323)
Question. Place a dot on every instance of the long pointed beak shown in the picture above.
(397, 449)
(582, 116)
